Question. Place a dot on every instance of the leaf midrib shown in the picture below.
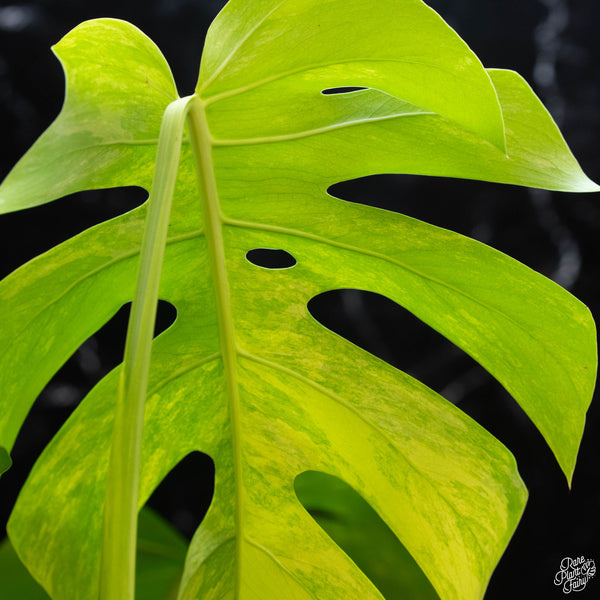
(202, 145)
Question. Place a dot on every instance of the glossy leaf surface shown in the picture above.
(245, 374)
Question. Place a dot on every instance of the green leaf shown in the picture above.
(97, 144)
(161, 554)
(160, 558)
(15, 580)
(245, 374)
(361, 533)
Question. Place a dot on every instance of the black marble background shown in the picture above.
(554, 44)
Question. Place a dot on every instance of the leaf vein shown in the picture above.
(312, 132)
(184, 371)
(226, 60)
(276, 560)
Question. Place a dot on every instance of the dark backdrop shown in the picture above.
(553, 44)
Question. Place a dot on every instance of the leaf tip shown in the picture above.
(567, 463)
(587, 185)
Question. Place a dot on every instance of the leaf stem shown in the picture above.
(117, 570)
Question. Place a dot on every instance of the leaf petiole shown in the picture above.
(119, 536)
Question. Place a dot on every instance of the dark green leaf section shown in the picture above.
(15, 581)
(161, 554)
(245, 374)
(362, 534)
(5, 461)
(160, 559)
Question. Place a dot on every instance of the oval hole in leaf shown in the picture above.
(342, 90)
(184, 495)
(270, 258)
(361, 533)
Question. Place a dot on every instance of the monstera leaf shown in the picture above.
(245, 374)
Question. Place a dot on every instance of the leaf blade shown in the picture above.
(393, 137)
(117, 86)
(282, 37)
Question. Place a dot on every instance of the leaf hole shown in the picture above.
(342, 90)
(270, 258)
(387, 330)
(103, 351)
(166, 315)
(28, 233)
(362, 534)
(184, 495)
(384, 328)
(113, 334)
(450, 203)
(491, 213)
